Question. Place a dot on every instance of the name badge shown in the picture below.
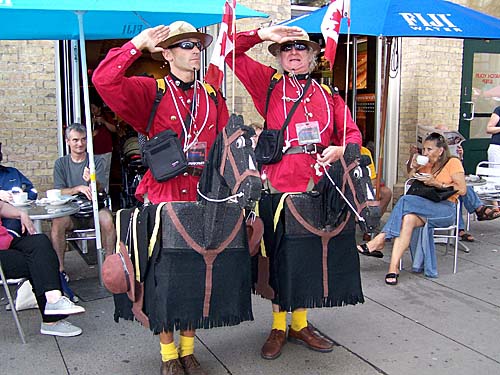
(197, 154)
(308, 132)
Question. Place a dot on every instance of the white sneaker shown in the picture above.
(61, 328)
(63, 306)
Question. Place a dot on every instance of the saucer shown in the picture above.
(59, 202)
(64, 199)
(22, 204)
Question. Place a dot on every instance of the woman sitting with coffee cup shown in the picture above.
(411, 211)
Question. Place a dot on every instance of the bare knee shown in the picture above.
(106, 220)
(61, 225)
(412, 221)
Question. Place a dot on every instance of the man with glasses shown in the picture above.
(313, 138)
(187, 108)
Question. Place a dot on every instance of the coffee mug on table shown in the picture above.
(422, 160)
(19, 198)
(54, 194)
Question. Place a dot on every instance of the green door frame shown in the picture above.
(475, 149)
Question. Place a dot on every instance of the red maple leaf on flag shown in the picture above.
(330, 28)
(223, 46)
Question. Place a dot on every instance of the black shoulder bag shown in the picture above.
(163, 153)
(432, 193)
(269, 149)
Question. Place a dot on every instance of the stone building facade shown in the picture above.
(430, 91)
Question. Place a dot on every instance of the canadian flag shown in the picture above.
(330, 28)
(223, 47)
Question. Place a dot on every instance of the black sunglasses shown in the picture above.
(297, 45)
(187, 45)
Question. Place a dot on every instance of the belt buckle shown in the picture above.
(308, 150)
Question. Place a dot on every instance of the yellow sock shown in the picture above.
(279, 320)
(299, 320)
(168, 352)
(186, 346)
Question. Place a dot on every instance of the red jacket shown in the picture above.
(293, 172)
(132, 99)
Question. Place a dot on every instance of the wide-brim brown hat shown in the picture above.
(181, 30)
(275, 47)
(118, 273)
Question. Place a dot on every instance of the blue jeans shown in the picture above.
(435, 214)
(471, 203)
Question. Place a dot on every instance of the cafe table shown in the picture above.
(39, 212)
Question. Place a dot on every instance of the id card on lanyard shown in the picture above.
(308, 132)
(197, 154)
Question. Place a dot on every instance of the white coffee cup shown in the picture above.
(54, 194)
(20, 198)
(422, 159)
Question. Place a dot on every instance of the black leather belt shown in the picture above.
(192, 171)
(306, 149)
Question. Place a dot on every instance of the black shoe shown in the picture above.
(391, 276)
(363, 249)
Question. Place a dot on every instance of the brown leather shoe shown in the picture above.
(191, 365)
(272, 347)
(311, 338)
(172, 367)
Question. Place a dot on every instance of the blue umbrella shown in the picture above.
(104, 19)
(403, 18)
(101, 19)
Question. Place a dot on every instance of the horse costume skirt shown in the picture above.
(197, 275)
(307, 270)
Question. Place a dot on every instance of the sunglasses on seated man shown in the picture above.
(187, 45)
(297, 45)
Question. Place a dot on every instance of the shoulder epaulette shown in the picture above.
(276, 77)
(330, 90)
(211, 91)
(160, 85)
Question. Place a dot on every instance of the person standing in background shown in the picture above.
(493, 128)
(102, 128)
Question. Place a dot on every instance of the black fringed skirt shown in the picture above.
(304, 274)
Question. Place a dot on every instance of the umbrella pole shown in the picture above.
(90, 146)
(385, 86)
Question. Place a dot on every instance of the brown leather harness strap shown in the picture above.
(227, 154)
(208, 255)
(327, 235)
(347, 178)
(325, 238)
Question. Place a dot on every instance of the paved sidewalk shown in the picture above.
(449, 325)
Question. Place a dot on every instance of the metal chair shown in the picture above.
(448, 233)
(489, 192)
(6, 282)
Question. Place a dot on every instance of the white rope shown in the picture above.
(231, 198)
(360, 218)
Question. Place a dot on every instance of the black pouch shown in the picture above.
(269, 149)
(430, 192)
(164, 156)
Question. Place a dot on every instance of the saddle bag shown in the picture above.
(269, 149)
(164, 156)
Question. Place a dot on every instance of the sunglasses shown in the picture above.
(187, 45)
(297, 45)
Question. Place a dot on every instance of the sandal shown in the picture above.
(391, 276)
(366, 251)
(467, 237)
(487, 213)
